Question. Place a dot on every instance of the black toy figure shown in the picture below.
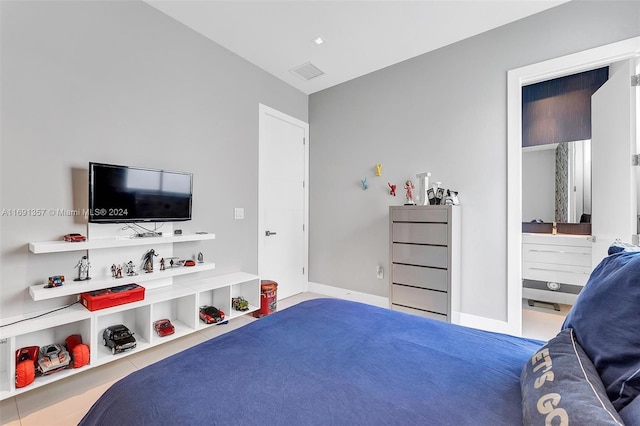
(148, 260)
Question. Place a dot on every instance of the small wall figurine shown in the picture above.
(378, 169)
(408, 185)
(83, 269)
(119, 271)
(365, 185)
(113, 270)
(162, 264)
(392, 190)
(200, 258)
(148, 260)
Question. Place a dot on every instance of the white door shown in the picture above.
(613, 142)
(282, 205)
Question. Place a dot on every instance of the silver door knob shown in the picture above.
(269, 233)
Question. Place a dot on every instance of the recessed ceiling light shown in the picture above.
(318, 40)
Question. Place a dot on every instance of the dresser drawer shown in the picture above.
(567, 255)
(426, 314)
(568, 274)
(419, 215)
(420, 276)
(412, 254)
(428, 300)
(420, 233)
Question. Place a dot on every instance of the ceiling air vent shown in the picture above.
(307, 71)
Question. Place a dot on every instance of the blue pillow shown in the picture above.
(606, 320)
(631, 413)
(561, 386)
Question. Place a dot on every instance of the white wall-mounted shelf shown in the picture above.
(101, 243)
(40, 292)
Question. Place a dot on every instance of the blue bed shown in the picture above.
(329, 361)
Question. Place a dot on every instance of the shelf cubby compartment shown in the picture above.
(53, 334)
(7, 367)
(136, 319)
(250, 290)
(39, 292)
(180, 311)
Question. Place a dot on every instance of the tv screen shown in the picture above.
(131, 194)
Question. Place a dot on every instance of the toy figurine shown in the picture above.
(171, 263)
(55, 281)
(408, 185)
(113, 270)
(200, 258)
(392, 191)
(83, 269)
(130, 269)
(364, 183)
(162, 264)
(148, 260)
(378, 169)
(118, 271)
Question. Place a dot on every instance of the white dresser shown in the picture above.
(555, 267)
(424, 251)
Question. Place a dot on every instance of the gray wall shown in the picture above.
(119, 82)
(442, 112)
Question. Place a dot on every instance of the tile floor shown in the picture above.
(542, 323)
(66, 401)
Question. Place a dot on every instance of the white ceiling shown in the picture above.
(360, 36)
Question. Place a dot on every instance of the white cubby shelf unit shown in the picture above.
(179, 302)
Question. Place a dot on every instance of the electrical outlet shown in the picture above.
(238, 213)
(380, 272)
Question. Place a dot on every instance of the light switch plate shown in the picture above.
(238, 213)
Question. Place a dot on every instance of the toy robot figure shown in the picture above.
(408, 185)
(392, 191)
(130, 270)
(148, 260)
(83, 269)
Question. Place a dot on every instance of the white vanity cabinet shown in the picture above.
(555, 267)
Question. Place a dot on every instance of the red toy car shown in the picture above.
(75, 238)
(164, 327)
(211, 314)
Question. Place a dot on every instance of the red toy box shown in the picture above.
(114, 296)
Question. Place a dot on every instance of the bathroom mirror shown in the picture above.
(556, 182)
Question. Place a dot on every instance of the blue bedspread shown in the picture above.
(329, 362)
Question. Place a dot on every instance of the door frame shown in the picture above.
(516, 78)
(263, 112)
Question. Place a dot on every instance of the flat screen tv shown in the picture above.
(131, 194)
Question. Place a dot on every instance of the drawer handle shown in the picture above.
(556, 270)
(558, 251)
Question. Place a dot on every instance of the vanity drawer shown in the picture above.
(419, 215)
(420, 276)
(546, 253)
(428, 300)
(412, 254)
(568, 274)
(421, 233)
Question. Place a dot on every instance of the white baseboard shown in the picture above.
(343, 293)
(483, 323)
(467, 320)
